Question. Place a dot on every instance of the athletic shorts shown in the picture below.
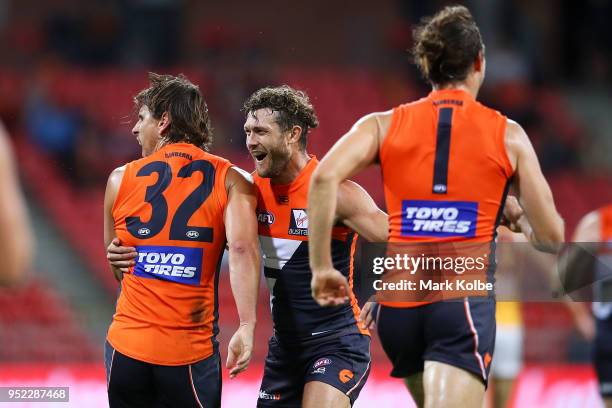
(602, 355)
(460, 333)
(134, 383)
(342, 362)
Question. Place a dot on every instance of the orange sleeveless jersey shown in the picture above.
(170, 206)
(283, 235)
(445, 171)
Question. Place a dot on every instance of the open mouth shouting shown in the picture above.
(259, 156)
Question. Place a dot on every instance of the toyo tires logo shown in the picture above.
(175, 264)
(439, 218)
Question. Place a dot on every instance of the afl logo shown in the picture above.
(144, 231)
(192, 234)
(322, 362)
(265, 217)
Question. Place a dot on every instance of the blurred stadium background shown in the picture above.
(69, 69)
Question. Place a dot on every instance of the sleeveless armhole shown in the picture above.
(122, 186)
(396, 119)
(501, 137)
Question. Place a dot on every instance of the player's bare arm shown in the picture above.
(356, 209)
(353, 152)
(15, 232)
(244, 264)
(110, 195)
(534, 193)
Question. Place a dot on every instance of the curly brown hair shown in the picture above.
(293, 107)
(446, 45)
(185, 105)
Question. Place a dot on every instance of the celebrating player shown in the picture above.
(176, 208)
(317, 357)
(445, 153)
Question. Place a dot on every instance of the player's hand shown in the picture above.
(512, 214)
(367, 317)
(329, 287)
(120, 257)
(240, 349)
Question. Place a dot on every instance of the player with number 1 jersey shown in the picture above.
(447, 162)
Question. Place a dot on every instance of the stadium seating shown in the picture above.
(38, 326)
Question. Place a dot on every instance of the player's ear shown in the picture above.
(295, 134)
(164, 123)
(479, 62)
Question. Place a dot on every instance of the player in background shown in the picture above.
(589, 263)
(15, 232)
(317, 357)
(450, 153)
(177, 207)
(509, 337)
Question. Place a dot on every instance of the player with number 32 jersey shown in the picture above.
(176, 261)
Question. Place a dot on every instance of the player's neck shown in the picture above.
(292, 170)
(471, 87)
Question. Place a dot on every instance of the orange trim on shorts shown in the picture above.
(479, 360)
(353, 299)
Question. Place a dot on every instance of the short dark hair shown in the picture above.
(446, 45)
(293, 107)
(186, 107)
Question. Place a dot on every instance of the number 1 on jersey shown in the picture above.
(440, 182)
